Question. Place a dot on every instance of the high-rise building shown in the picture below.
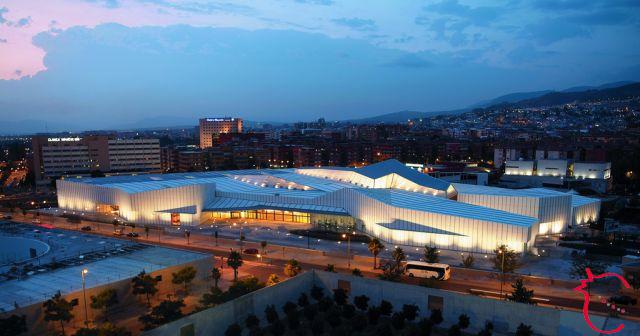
(54, 157)
(211, 127)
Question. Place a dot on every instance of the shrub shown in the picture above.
(358, 323)
(356, 272)
(487, 330)
(361, 302)
(317, 293)
(317, 327)
(325, 304)
(271, 314)
(410, 312)
(524, 330)
(233, 330)
(252, 321)
(333, 318)
(373, 314)
(310, 312)
(454, 330)
(303, 300)
(384, 330)
(425, 325)
(436, 316)
(397, 321)
(340, 296)
(464, 321)
(386, 308)
(348, 311)
(277, 328)
(289, 307)
(293, 318)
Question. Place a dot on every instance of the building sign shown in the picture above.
(221, 119)
(63, 139)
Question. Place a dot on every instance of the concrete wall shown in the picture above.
(35, 313)
(214, 321)
(506, 316)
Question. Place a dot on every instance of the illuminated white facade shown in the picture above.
(551, 168)
(518, 168)
(386, 200)
(592, 170)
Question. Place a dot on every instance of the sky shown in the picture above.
(97, 64)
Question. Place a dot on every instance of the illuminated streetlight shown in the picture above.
(84, 296)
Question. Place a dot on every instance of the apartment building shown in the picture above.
(210, 128)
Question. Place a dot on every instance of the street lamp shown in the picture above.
(348, 236)
(84, 296)
(502, 270)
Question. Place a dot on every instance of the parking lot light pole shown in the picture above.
(348, 236)
(84, 297)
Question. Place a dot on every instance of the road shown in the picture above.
(559, 293)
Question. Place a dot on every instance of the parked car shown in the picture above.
(624, 300)
(85, 228)
(133, 235)
(7, 217)
(251, 251)
(36, 221)
(118, 232)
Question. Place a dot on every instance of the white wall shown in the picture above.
(518, 168)
(592, 170)
(551, 168)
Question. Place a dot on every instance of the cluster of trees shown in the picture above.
(321, 314)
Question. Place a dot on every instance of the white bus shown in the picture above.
(421, 269)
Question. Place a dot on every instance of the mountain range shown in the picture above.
(522, 99)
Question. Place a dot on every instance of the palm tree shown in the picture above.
(234, 260)
(375, 246)
(263, 244)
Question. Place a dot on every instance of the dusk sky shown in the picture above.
(113, 63)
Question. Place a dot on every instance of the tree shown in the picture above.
(293, 318)
(464, 321)
(373, 314)
(144, 284)
(106, 329)
(317, 293)
(579, 264)
(524, 330)
(340, 296)
(289, 307)
(184, 277)
(325, 304)
(361, 302)
(506, 260)
(242, 287)
(271, 314)
(233, 329)
(105, 300)
(348, 311)
(386, 308)
(356, 272)
(277, 328)
(410, 312)
(57, 309)
(310, 312)
(214, 297)
(330, 268)
(358, 323)
(398, 256)
(333, 318)
(13, 325)
(375, 246)
(303, 300)
(431, 254)
(146, 231)
(263, 245)
(487, 330)
(317, 327)
(521, 293)
(397, 321)
(292, 268)
(216, 274)
(436, 316)
(272, 280)
(454, 330)
(163, 313)
(252, 321)
(425, 325)
(234, 260)
(468, 261)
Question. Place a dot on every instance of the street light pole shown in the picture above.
(502, 270)
(348, 236)
(84, 296)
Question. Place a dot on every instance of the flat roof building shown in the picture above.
(211, 127)
(54, 157)
(387, 200)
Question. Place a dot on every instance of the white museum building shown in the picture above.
(386, 200)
